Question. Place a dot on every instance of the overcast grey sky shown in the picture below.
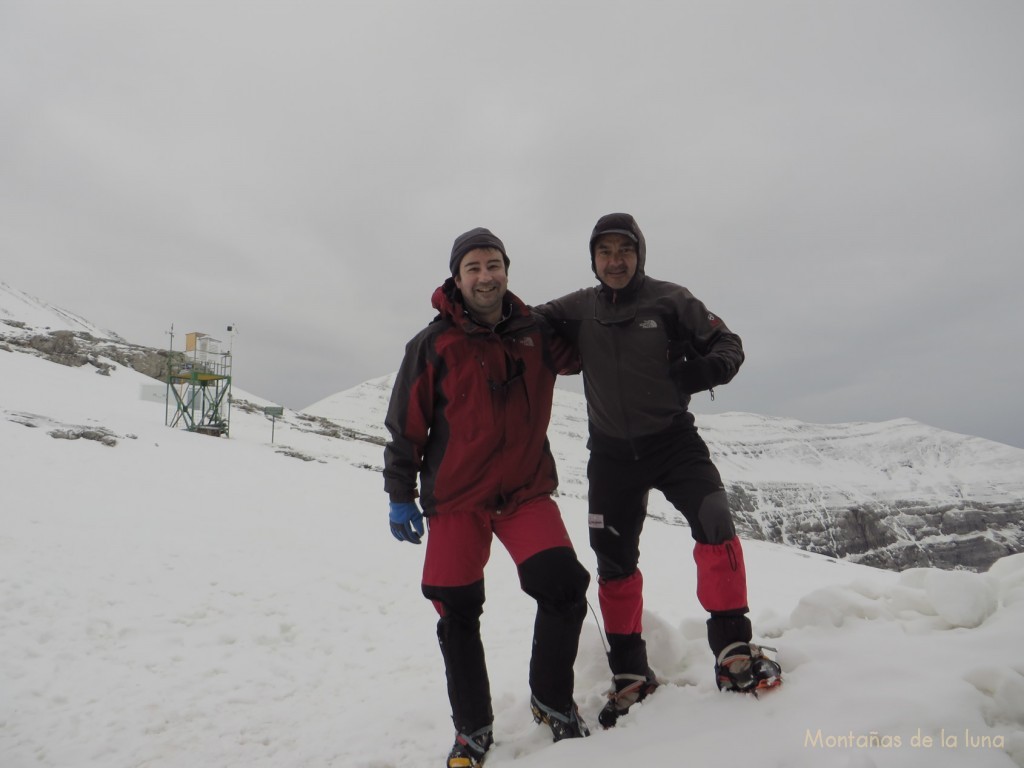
(843, 182)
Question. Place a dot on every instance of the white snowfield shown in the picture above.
(173, 600)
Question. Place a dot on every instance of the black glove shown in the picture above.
(692, 376)
(691, 372)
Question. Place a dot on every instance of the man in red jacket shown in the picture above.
(468, 417)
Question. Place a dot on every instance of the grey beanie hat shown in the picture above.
(475, 238)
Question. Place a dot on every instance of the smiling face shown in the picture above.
(615, 260)
(482, 280)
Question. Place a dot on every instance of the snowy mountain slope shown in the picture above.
(172, 600)
(25, 313)
(30, 325)
(895, 494)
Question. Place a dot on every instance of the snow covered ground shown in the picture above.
(182, 600)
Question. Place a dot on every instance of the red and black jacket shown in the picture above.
(470, 408)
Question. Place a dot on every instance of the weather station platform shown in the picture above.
(201, 389)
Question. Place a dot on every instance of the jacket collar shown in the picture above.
(447, 300)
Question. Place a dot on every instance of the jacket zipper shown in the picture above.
(616, 348)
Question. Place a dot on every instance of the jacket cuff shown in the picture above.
(715, 371)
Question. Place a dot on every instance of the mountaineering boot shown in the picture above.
(743, 667)
(626, 691)
(563, 725)
(470, 750)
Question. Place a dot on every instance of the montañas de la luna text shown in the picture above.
(944, 739)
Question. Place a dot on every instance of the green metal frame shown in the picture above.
(203, 402)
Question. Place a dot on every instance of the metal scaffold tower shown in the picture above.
(202, 387)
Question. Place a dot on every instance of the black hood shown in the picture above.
(622, 224)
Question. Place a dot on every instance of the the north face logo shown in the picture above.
(526, 341)
(648, 323)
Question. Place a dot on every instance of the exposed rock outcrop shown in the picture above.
(78, 348)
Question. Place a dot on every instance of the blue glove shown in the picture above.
(405, 516)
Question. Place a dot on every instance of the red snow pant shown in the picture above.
(682, 470)
(458, 548)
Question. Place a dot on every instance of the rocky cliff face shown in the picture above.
(894, 494)
(895, 534)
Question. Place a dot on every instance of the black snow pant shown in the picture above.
(557, 581)
(681, 468)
